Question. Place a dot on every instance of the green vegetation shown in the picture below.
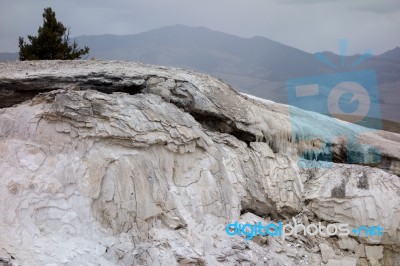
(52, 42)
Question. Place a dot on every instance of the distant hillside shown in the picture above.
(5, 57)
(205, 50)
(393, 55)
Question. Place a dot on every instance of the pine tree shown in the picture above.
(52, 42)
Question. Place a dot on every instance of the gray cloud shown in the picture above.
(313, 25)
(382, 6)
(374, 6)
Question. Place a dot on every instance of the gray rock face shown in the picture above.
(113, 163)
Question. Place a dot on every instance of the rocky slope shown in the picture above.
(115, 163)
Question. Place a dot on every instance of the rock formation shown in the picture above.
(116, 163)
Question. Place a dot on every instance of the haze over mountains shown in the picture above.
(5, 57)
(257, 65)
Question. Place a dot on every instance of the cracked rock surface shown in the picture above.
(117, 163)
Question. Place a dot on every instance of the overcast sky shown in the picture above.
(310, 25)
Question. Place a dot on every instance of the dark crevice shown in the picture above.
(14, 92)
(259, 213)
(340, 155)
(180, 226)
(10, 98)
(273, 215)
(222, 125)
(109, 88)
(212, 123)
(362, 181)
(339, 191)
(273, 145)
(244, 136)
(261, 209)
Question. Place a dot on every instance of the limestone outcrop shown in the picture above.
(117, 163)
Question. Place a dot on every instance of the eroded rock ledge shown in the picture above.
(118, 163)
